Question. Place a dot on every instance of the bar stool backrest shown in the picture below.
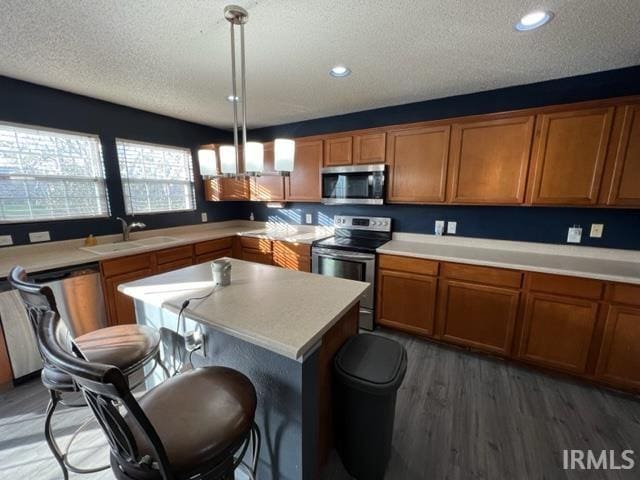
(105, 387)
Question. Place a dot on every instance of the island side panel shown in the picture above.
(278, 381)
(335, 337)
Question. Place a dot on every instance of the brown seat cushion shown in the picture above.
(198, 415)
(123, 346)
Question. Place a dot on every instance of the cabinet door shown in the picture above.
(418, 164)
(234, 189)
(619, 359)
(120, 307)
(406, 301)
(369, 148)
(557, 331)
(478, 316)
(6, 374)
(292, 256)
(268, 188)
(257, 256)
(490, 160)
(303, 183)
(338, 151)
(211, 256)
(568, 157)
(625, 183)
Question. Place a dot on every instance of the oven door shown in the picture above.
(362, 184)
(349, 265)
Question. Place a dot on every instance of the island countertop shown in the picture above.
(281, 310)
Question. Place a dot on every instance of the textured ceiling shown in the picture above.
(172, 57)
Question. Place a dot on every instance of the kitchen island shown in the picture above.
(279, 327)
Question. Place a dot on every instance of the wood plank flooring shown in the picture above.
(459, 416)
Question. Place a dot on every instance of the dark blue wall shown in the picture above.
(537, 224)
(29, 104)
(531, 224)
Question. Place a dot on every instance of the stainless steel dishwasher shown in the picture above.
(79, 298)
(78, 294)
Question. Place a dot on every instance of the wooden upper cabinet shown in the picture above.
(303, 184)
(418, 158)
(568, 156)
(234, 189)
(338, 151)
(624, 188)
(490, 160)
(369, 148)
(268, 188)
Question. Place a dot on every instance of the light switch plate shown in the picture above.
(574, 235)
(308, 218)
(6, 240)
(203, 217)
(596, 230)
(452, 227)
(439, 228)
(35, 237)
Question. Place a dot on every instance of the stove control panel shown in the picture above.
(376, 224)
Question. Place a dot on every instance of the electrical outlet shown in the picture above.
(308, 218)
(596, 230)
(35, 237)
(203, 217)
(574, 235)
(452, 227)
(6, 240)
(439, 228)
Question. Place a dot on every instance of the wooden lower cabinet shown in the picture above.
(6, 373)
(477, 316)
(619, 359)
(557, 331)
(293, 256)
(257, 256)
(211, 256)
(406, 301)
(120, 308)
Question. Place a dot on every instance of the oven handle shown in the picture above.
(342, 256)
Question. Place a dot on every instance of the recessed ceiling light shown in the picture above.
(340, 71)
(231, 98)
(534, 20)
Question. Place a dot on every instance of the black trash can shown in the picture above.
(368, 372)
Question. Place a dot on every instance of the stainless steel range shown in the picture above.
(351, 254)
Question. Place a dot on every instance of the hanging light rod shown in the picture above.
(252, 152)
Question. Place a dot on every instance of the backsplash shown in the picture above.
(527, 224)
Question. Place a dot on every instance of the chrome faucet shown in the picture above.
(126, 228)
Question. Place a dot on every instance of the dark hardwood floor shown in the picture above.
(459, 416)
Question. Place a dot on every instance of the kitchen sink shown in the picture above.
(130, 245)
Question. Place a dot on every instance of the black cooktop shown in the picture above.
(354, 244)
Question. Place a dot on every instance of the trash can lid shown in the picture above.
(372, 362)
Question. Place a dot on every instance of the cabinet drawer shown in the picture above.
(122, 265)
(485, 275)
(213, 245)
(175, 265)
(408, 264)
(293, 262)
(260, 244)
(173, 254)
(287, 248)
(628, 294)
(252, 255)
(561, 285)
(211, 256)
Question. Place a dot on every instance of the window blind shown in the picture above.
(155, 178)
(48, 175)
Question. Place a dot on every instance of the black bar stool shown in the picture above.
(129, 347)
(198, 424)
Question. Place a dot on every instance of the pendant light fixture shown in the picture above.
(252, 152)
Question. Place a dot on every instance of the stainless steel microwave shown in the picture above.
(357, 184)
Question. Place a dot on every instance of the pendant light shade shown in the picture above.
(207, 162)
(284, 154)
(254, 157)
(228, 159)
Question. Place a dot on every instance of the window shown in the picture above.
(48, 174)
(155, 178)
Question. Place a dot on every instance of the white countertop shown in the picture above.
(46, 256)
(281, 310)
(589, 262)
